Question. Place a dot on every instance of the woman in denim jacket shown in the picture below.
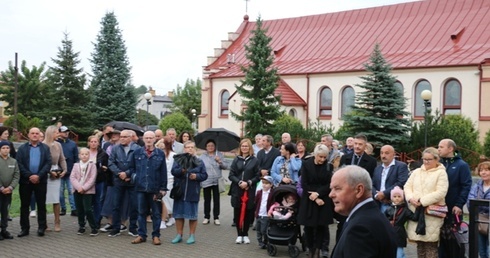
(285, 169)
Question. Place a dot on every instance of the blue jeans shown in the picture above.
(145, 202)
(98, 200)
(400, 253)
(483, 245)
(65, 184)
(118, 192)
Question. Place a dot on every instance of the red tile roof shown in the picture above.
(289, 97)
(431, 33)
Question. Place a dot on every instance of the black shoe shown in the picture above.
(94, 232)
(62, 212)
(5, 234)
(9, 219)
(1, 237)
(81, 231)
(74, 213)
(40, 232)
(23, 233)
(133, 232)
(114, 233)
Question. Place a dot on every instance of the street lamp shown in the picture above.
(147, 96)
(193, 111)
(426, 96)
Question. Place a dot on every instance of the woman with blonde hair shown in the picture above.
(58, 170)
(426, 186)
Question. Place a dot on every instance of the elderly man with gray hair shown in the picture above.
(367, 232)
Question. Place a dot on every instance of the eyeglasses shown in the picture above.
(427, 160)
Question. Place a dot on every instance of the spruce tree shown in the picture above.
(113, 96)
(257, 89)
(67, 81)
(379, 112)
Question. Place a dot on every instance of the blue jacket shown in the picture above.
(192, 188)
(293, 168)
(150, 172)
(70, 150)
(120, 162)
(459, 176)
(23, 159)
(476, 192)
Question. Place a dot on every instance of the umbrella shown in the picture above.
(243, 209)
(122, 125)
(225, 140)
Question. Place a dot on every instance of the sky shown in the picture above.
(167, 41)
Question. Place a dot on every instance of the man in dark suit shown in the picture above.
(367, 232)
(359, 157)
(267, 155)
(34, 160)
(389, 174)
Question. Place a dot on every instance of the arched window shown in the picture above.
(348, 100)
(224, 103)
(398, 85)
(452, 97)
(325, 102)
(418, 105)
(292, 112)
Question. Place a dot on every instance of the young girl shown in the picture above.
(289, 201)
(398, 214)
(82, 179)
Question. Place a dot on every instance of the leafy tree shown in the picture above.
(187, 98)
(23, 123)
(33, 92)
(140, 90)
(257, 89)
(380, 108)
(144, 118)
(289, 124)
(67, 82)
(486, 145)
(178, 121)
(112, 94)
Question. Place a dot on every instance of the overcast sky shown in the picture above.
(167, 41)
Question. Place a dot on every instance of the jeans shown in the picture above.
(84, 204)
(207, 192)
(25, 192)
(5, 200)
(400, 253)
(261, 229)
(483, 245)
(98, 200)
(65, 181)
(117, 202)
(145, 202)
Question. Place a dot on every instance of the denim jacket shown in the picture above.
(293, 169)
(149, 172)
(119, 162)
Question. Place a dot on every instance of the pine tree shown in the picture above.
(257, 89)
(113, 96)
(70, 99)
(379, 112)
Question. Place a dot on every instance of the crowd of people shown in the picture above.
(131, 180)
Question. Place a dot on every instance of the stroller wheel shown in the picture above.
(293, 251)
(271, 249)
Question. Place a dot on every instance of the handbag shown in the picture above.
(221, 185)
(436, 210)
(460, 231)
(483, 221)
(177, 192)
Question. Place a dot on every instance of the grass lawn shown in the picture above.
(15, 206)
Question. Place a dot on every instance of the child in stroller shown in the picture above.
(283, 228)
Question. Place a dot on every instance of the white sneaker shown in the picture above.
(239, 240)
(216, 222)
(170, 222)
(205, 221)
(246, 240)
(162, 225)
(33, 214)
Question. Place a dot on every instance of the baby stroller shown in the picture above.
(284, 231)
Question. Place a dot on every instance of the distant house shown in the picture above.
(439, 45)
(160, 105)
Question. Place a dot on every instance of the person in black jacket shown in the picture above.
(398, 214)
(34, 159)
(267, 155)
(101, 159)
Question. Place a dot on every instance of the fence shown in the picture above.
(473, 227)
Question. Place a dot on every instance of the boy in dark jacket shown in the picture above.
(263, 202)
(398, 214)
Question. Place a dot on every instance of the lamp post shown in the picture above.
(426, 96)
(193, 111)
(147, 96)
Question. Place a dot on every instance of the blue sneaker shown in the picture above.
(191, 240)
(177, 239)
